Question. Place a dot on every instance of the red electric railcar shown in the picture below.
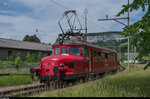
(73, 59)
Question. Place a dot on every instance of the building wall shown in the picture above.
(5, 52)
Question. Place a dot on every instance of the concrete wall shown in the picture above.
(4, 53)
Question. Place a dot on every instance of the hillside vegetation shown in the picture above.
(134, 83)
(107, 39)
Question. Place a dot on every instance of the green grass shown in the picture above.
(15, 79)
(135, 83)
(6, 63)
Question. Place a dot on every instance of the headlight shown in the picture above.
(61, 64)
(32, 70)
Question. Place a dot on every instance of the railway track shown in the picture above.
(23, 90)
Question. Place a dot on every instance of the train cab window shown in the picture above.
(57, 50)
(64, 50)
(99, 56)
(94, 56)
(75, 50)
(83, 51)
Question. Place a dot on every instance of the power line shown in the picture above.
(59, 5)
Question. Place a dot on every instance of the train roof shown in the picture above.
(77, 42)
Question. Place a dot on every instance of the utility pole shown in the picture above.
(86, 12)
(116, 19)
(128, 37)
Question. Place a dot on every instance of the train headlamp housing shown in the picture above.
(61, 64)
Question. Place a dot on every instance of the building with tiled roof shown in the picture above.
(9, 47)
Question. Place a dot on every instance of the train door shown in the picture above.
(90, 60)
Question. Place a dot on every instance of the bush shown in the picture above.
(10, 58)
(30, 58)
(18, 61)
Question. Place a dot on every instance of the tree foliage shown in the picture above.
(140, 31)
(32, 38)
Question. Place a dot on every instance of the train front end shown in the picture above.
(60, 65)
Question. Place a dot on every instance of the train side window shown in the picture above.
(75, 50)
(114, 59)
(83, 51)
(94, 56)
(64, 50)
(99, 56)
(109, 57)
(106, 57)
(57, 50)
(103, 57)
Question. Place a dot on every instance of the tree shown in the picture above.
(140, 31)
(26, 38)
(32, 38)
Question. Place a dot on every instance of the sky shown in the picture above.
(21, 17)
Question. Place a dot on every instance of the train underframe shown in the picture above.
(84, 76)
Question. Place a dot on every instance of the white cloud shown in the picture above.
(45, 16)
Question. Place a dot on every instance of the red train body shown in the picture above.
(74, 59)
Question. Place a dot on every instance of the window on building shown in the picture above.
(75, 50)
(99, 56)
(94, 56)
(57, 50)
(9, 53)
(83, 51)
(64, 50)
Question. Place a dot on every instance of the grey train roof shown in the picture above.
(16, 44)
(77, 42)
